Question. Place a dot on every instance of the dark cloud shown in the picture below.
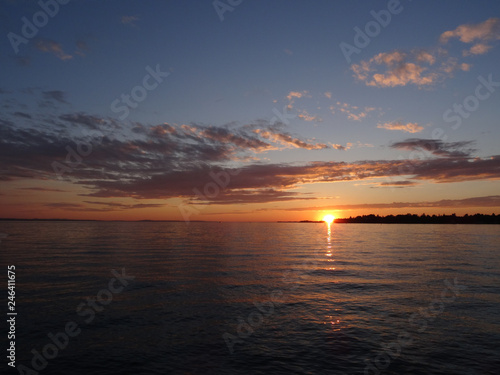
(23, 60)
(232, 196)
(437, 147)
(43, 189)
(112, 159)
(115, 205)
(89, 121)
(64, 205)
(109, 206)
(23, 115)
(57, 95)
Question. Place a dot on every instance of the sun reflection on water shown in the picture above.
(329, 243)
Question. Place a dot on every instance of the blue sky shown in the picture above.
(263, 87)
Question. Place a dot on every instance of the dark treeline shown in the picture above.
(424, 219)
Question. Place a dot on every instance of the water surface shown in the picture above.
(258, 298)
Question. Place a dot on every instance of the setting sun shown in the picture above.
(328, 219)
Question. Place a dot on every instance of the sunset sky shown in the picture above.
(248, 110)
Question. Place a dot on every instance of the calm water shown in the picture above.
(261, 298)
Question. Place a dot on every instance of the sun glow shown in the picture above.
(328, 219)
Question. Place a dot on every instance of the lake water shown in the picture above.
(254, 298)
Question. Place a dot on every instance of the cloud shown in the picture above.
(50, 46)
(339, 147)
(425, 56)
(328, 94)
(479, 34)
(478, 49)
(109, 206)
(44, 189)
(303, 115)
(57, 95)
(88, 121)
(292, 95)
(23, 60)
(129, 20)
(483, 201)
(401, 69)
(121, 206)
(245, 196)
(22, 114)
(398, 125)
(353, 113)
(81, 47)
(66, 206)
(437, 147)
(170, 160)
(288, 140)
(398, 183)
(425, 67)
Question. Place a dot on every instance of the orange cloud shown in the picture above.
(307, 117)
(292, 95)
(398, 125)
(487, 30)
(479, 33)
(397, 68)
(353, 112)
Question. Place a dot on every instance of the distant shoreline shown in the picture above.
(365, 219)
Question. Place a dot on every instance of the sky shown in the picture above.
(239, 110)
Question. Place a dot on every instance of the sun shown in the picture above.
(328, 219)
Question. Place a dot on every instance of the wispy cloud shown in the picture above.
(50, 46)
(410, 127)
(401, 69)
(352, 112)
(292, 95)
(81, 47)
(23, 115)
(57, 95)
(304, 115)
(288, 140)
(44, 189)
(86, 206)
(483, 201)
(129, 20)
(437, 147)
(169, 160)
(425, 67)
(404, 183)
